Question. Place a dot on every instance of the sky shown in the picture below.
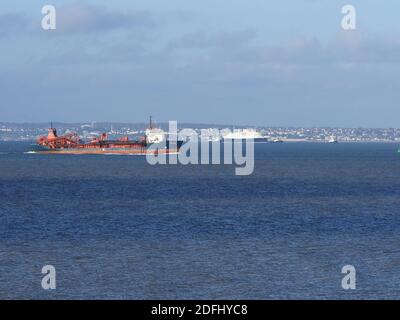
(258, 62)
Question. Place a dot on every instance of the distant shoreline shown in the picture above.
(180, 125)
(30, 131)
(292, 141)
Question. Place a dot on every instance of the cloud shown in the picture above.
(201, 40)
(78, 18)
(365, 48)
(239, 51)
(130, 61)
(13, 24)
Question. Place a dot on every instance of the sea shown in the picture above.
(116, 227)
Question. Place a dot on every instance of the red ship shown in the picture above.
(72, 144)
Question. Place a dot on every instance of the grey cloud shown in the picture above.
(235, 57)
(205, 71)
(358, 47)
(347, 47)
(13, 24)
(201, 40)
(79, 18)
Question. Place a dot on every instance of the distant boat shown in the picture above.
(333, 140)
(210, 135)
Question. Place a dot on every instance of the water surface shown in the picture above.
(116, 227)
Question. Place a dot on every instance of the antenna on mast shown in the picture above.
(151, 123)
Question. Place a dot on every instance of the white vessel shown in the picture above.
(245, 134)
(210, 135)
(333, 140)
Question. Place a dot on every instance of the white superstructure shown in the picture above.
(333, 140)
(154, 135)
(243, 134)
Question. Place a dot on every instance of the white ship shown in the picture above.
(245, 134)
(210, 135)
(333, 140)
(276, 140)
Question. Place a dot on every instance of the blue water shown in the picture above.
(116, 227)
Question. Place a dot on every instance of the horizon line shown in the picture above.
(188, 123)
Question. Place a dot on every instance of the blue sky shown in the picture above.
(277, 63)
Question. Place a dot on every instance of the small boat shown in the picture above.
(333, 140)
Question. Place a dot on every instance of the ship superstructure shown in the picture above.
(154, 135)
